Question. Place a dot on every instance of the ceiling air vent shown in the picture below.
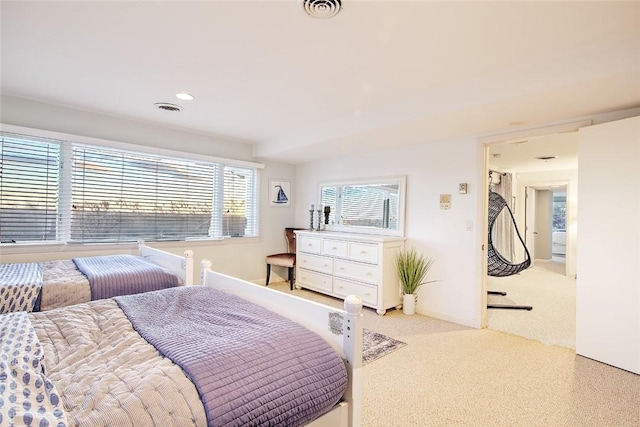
(167, 107)
(546, 158)
(320, 8)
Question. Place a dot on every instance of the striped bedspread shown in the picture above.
(20, 286)
(114, 275)
(250, 365)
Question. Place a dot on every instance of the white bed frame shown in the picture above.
(181, 266)
(341, 328)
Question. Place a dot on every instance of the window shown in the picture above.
(109, 195)
(29, 188)
(559, 211)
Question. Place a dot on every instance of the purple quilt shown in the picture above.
(114, 275)
(250, 365)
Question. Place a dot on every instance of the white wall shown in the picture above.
(238, 257)
(432, 169)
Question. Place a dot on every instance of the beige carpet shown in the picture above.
(553, 297)
(450, 375)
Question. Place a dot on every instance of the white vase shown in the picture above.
(408, 304)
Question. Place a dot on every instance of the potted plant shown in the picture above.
(412, 270)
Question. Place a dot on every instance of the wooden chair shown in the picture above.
(285, 259)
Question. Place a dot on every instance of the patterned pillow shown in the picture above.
(20, 286)
(27, 397)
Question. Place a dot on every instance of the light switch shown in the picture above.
(445, 201)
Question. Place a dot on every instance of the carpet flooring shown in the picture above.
(553, 297)
(452, 375)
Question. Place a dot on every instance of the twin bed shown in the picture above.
(52, 284)
(226, 353)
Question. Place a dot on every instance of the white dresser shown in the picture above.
(342, 264)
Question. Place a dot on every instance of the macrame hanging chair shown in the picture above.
(498, 265)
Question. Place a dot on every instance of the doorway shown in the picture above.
(543, 203)
(546, 223)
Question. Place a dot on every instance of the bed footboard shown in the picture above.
(181, 266)
(341, 328)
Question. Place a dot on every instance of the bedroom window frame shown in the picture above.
(31, 213)
(216, 195)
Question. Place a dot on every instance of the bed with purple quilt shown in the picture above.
(185, 356)
(39, 286)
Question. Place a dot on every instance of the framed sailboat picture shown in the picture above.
(279, 192)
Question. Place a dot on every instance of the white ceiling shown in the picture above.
(380, 73)
(530, 154)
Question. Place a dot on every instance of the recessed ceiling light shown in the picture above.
(184, 96)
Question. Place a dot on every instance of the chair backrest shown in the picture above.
(290, 236)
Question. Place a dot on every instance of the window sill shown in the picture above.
(58, 247)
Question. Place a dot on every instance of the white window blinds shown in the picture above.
(120, 196)
(368, 206)
(237, 203)
(29, 186)
(109, 195)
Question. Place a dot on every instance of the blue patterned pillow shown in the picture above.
(20, 286)
(27, 397)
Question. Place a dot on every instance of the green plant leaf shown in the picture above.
(412, 269)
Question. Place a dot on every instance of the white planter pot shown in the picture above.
(408, 304)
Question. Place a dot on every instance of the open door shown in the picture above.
(530, 221)
(608, 293)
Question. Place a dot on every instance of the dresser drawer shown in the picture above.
(343, 288)
(334, 247)
(309, 244)
(315, 262)
(363, 252)
(319, 281)
(353, 270)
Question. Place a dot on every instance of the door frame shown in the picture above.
(499, 138)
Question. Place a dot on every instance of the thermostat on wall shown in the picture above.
(445, 201)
